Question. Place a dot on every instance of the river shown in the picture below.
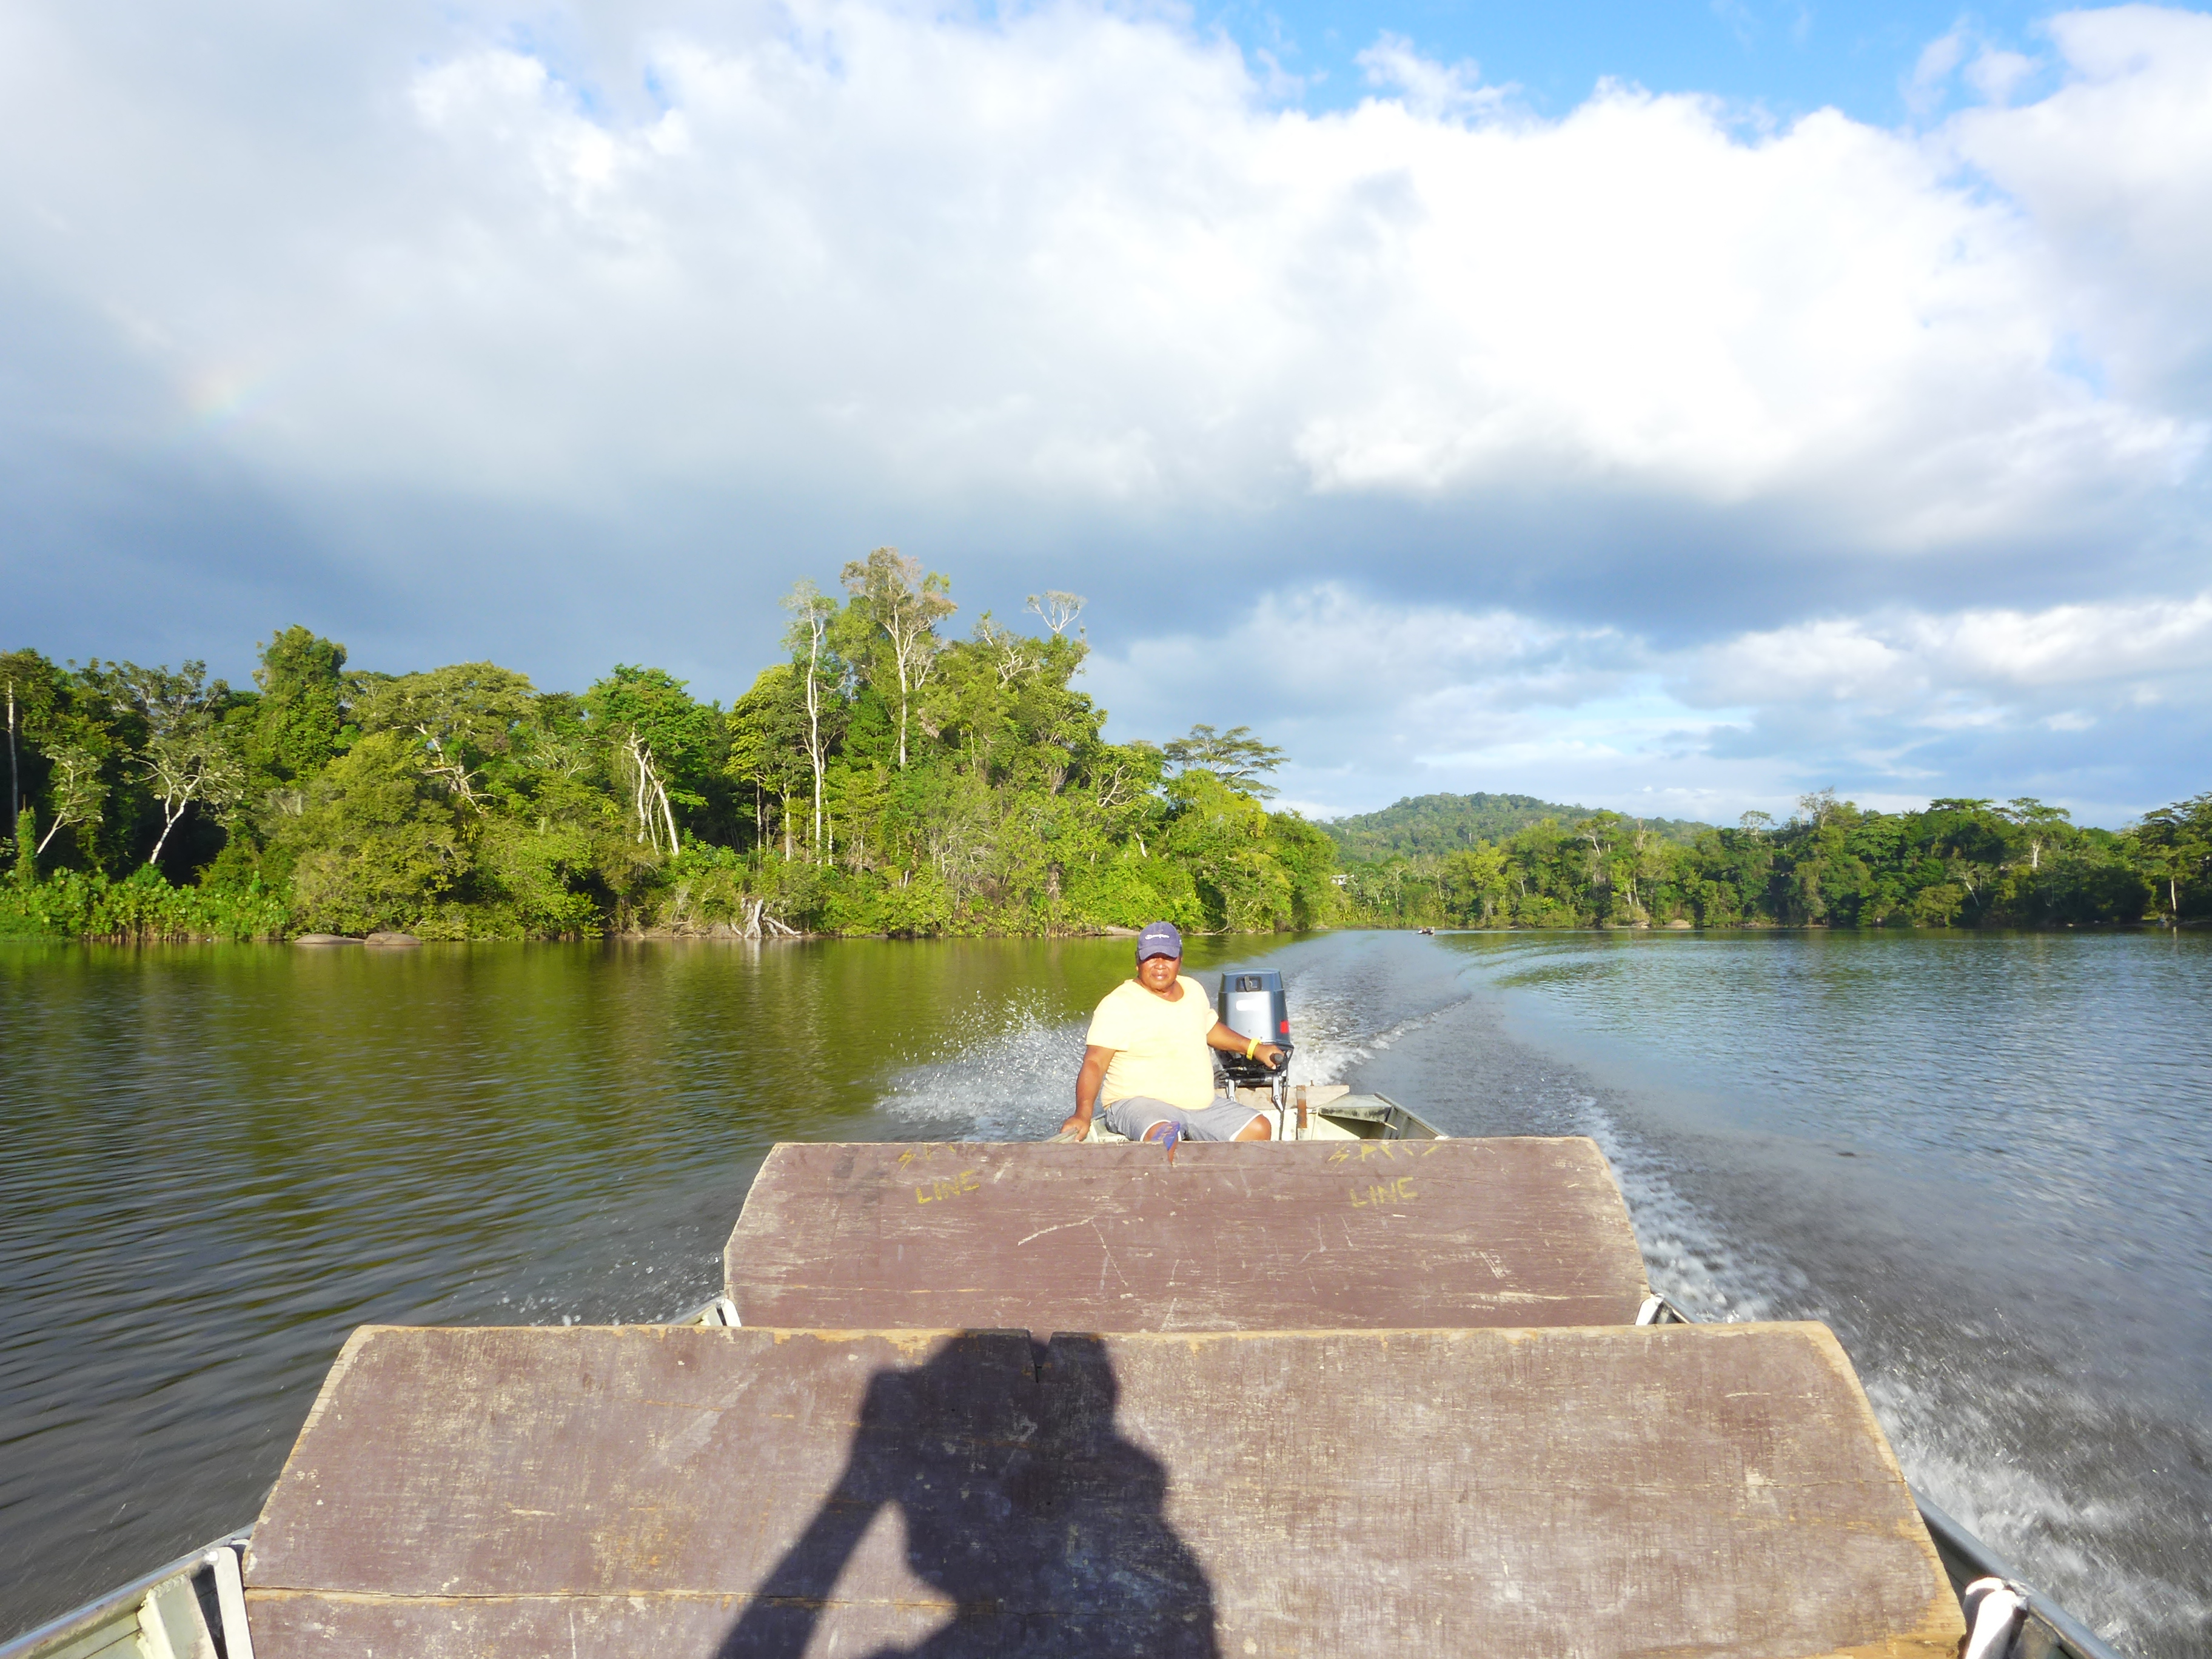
(1986, 1160)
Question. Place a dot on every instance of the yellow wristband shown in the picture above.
(1252, 1048)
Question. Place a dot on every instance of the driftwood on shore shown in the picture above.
(757, 924)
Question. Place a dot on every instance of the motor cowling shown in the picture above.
(1252, 1004)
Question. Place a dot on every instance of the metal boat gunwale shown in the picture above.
(80, 1620)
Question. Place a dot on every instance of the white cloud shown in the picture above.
(2113, 170)
(1373, 699)
(1895, 660)
(1429, 89)
(1078, 249)
(827, 263)
(1995, 74)
(1932, 70)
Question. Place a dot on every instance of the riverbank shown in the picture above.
(145, 909)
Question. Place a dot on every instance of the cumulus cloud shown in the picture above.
(2114, 169)
(1893, 707)
(1076, 250)
(2119, 654)
(1427, 88)
(1076, 277)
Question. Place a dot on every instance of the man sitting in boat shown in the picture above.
(1145, 1060)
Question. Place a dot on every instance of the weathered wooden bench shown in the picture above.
(1351, 1235)
(674, 1491)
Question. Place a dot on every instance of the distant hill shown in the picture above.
(1442, 823)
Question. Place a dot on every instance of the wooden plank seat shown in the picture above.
(1281, 1236)
(673, 1492)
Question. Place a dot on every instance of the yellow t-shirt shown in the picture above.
(1159, 1047)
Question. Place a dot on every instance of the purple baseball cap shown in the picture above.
(1159, 939)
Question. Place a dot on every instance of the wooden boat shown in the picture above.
(1376, 1390)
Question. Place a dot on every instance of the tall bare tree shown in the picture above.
(2044, 826)
(187, 756)
(907, 606)
(811, 612)
(188, 766)
(78, 792)
(14, 785)
(648, 795)
(1010, 651)
(1058, 609)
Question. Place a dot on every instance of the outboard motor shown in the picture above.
(1253, 1005)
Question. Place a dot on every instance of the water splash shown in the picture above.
(1016, 1082)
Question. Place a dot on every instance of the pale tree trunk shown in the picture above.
(814, 730)
(14, 785)
(667, 817)
(649, 798)
(903, 694)
(169, 817)
(906, 605)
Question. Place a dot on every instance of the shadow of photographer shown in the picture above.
(1022, 1507)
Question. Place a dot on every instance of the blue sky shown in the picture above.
(1785, 59)
(1675, 407)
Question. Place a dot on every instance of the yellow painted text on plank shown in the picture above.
(1390, 1192)
(946, 1187)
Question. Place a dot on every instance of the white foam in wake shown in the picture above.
(1328, 1040)
(1011, 1076)
(1015, 1084)
(1688, 1259)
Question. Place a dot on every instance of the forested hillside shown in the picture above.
(1431, 826)
(885, 776)
(1957, 863)
(882, 777)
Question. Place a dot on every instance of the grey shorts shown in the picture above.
(1223, 1120)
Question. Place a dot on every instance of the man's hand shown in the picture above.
(1230, 1041)
(1078, 1127)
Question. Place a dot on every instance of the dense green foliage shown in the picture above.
(885, 778)
(1432, 825)
(1958, 863)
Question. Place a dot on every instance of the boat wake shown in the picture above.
(2071, 1478)
(1014, 1083)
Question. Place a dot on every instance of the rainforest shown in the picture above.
(886, 777)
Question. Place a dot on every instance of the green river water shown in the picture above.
(1986, 1160)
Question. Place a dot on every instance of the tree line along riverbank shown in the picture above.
(884, 777)
(1956, 863)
